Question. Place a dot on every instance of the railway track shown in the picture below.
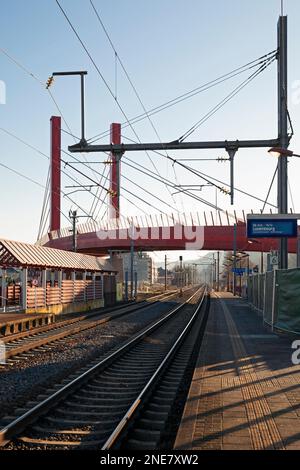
(18, 346)
(125, 399)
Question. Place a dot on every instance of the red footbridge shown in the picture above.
(214, 230)
(155, 233)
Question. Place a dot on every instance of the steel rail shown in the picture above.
(20, 423)
(135, 407)
(75, 318)
(34, 340)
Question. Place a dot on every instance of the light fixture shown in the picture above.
(281, 152)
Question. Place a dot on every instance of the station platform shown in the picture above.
(18, 322)
(245, 391)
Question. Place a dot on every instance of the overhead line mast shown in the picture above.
(231, 147)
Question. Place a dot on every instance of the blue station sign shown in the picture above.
(273, 228)
(241, 271)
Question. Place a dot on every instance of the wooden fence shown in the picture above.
(69, 292)
(13, 294)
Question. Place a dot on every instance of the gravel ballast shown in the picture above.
(28, 377)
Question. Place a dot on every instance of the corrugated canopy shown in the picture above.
(17, 254)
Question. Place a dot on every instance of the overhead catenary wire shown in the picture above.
(106, 178)
(172, 185)
(18, 173)
(199, 173)
(186, 95)
(137, 94)
(105, 82)
(236, 189)
(22, 175)
(148, 192)
(47, 156)
(40, 82)
(75, 180)
(180, 164)
(271, 56)
(228, 98)
(161, 179)
(37, 79)
(126, 190)
(146, 171)
(92, 180)
(68, 132)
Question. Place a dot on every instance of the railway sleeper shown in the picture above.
(105, 411)
(114, 385)
(136, 444)
(81, 422)
(112, 404)
(152, 424)
(104, 396)
(146, 434)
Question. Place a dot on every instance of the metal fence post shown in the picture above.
(274, 298)
(265, 294)
(24, 288)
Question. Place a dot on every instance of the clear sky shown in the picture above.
(168, 47)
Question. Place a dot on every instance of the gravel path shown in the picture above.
(29, 377)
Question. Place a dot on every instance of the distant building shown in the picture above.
(142, 265)
(161, 276)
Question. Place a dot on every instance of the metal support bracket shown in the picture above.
(231, 150)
